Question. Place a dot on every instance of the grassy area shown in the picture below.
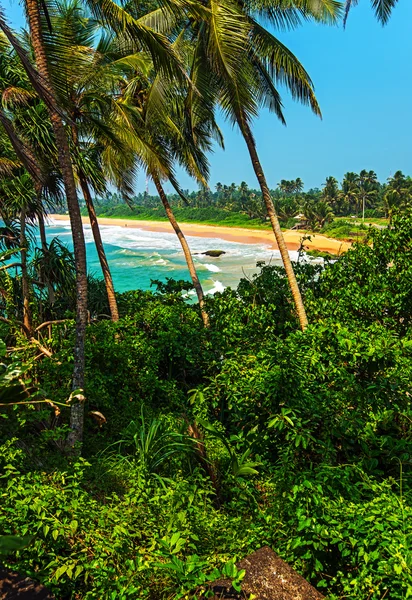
(215, 217)
(341, 228)
(368, 221)
(315, 253)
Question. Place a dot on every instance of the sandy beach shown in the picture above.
(230, 234)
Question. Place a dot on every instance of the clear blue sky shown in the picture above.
(363, 82)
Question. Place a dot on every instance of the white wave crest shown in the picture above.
(218, 287)
(212, 268)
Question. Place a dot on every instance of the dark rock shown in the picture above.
(268, 577)
(15, 587)
(214, 253)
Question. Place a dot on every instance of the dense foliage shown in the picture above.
(203, 445)
(359, 195)
(147, 443)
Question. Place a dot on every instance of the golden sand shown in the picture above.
(230, 234)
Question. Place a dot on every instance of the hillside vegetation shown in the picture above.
(202, 445)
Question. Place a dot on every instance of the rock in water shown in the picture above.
(267, 577)
(214, 253)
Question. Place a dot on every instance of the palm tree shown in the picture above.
(25, 122)
(398, 194)
(287, 187)
(317, 214)
(350, 190)
(89, 85)
(241, 61)
(244, 195)
(368, 188)
(298, 186)
(42, 83)
(331, 194)
(165, 60)
(158, 121)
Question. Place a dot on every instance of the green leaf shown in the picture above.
(60, 571)
(13, 543)
(73, 526)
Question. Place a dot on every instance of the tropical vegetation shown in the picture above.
(147, 443)
(360, 198)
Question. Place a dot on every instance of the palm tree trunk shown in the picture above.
(77, 409)
(111, 296)
(363, 208)
(25, 288)
(42, 231)
(287, 263)
(45, 248)
(185, 247)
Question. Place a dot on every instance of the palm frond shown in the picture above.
(383, 9)
(283, 66)
(8, 166)
(117, 19)
(289, 14)
(17, 96)
(24, 153)
(36, 80)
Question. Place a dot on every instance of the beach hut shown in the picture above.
(301, 221)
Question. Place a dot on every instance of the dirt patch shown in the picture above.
(15, 587)
(268, 577)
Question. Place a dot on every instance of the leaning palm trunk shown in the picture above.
(25, 287)
(42, 231)
(111, 296)
(287, 263)
(45, 248)
(185, 247)
(77, 409)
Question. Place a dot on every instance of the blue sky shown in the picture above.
(363, 84)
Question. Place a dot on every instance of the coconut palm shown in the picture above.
(350, 190)
(317, 214)
(25, 122)
(42, 83)
(80, 70)
(398, 194)
(333, 195)
(241, 62)
(368, 188)
(160, 122)
(164, 59)
(298, 186)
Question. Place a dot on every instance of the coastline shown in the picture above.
(229, 234)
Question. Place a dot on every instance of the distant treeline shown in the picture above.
(358, 195)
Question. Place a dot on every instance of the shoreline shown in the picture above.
(229, 234)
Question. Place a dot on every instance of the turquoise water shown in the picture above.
(136, 256)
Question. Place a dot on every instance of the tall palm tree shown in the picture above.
(368, 188)
(330, 193)
(398, 194)
(25, 121)
(317, 213)
(160, 122)
(42, 83)
(113, 15)
(242, 61)
(79, 68)
(298, 186)
(350, 190)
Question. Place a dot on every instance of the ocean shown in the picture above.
(137, 256)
